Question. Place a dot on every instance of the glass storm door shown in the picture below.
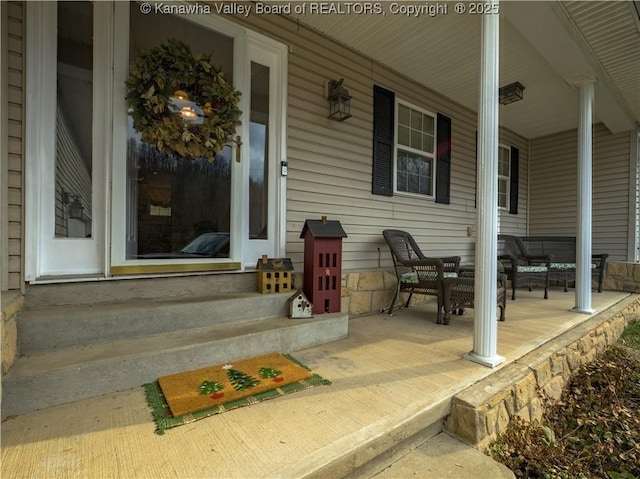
(174, 214)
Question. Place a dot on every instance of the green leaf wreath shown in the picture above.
(163, 78)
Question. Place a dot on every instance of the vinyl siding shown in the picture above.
(554, 183)
(72, 176)
(330, 163)
(14, 182)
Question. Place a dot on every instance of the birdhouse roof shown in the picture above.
(320, 229)
(296, 294)
(275, 264)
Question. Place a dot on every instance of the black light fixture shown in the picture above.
(339, 100)
(511, 93)
(72, 202)
(76, 210)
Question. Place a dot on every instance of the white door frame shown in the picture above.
(96, 256)
(46, 254)
(273, 55)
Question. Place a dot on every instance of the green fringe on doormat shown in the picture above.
(164, 419)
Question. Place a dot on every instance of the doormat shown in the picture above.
(192, 395)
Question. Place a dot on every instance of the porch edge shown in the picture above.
(481, 413)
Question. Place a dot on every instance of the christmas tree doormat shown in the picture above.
(186, 397)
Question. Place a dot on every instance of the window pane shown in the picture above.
(427, 143)
(404, 115)
(414, 173)
(258, 152)
(416, 120)
(416, 140)
(502, 193)
(404, 135)
(74, 120)
(428, 124)
(503, 162)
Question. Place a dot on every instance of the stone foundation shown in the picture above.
(482, 412)
(622, 276)
(366, 292)
(12, 304)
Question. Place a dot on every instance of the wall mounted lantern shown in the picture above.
(339, 100)
(75, 208)
(511, 93)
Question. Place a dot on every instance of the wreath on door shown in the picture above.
(180, 102)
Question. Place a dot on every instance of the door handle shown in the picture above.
(238, 142)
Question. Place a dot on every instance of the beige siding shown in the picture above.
(554, 189)
(15, 179)
(330, 163)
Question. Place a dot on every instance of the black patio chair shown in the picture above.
(416, 273)
(522, 268)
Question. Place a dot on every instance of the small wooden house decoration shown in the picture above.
(323, 264)
(299, 306)
(274, 275)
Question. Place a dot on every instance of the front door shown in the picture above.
(174, 214)
(109, 203)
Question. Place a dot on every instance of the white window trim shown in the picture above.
(507, 177)
(432, 156)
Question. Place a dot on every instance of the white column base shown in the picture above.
(575, 309)
(491, 362)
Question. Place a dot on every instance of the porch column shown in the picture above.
(485, 326)
(583, 233)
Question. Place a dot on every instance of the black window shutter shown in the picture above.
(443, 160)
(514, 175)
(383, 128)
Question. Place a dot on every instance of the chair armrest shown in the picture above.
(437, 262)
(450, 263)
(508, 258)
(600, 259)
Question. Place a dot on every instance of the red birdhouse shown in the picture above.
(323, 264)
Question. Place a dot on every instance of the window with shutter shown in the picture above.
(411, 149)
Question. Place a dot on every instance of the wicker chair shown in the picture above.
(459, 293)
(522, 268)
(415, 272)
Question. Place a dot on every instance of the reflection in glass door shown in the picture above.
(177, 207)
(259, 152)
(74, 113)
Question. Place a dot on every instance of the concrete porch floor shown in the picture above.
(392, 376)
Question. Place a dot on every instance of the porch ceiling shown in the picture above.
(546, 46)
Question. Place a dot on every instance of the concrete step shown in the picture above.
(44, 329)
(78, 372)
(446, 457)
(129, 289)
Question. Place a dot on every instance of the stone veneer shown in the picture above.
(366, 292)
(482, 412)
(622, 276)
(12, 304)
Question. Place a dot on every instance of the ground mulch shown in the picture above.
(593, 431)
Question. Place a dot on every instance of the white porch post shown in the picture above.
(583, 234)
(485, 334)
